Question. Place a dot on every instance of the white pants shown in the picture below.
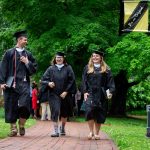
(46, 113)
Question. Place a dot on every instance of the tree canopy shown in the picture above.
(63, 25)
(77, 27)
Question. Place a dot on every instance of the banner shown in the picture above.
(134, 16)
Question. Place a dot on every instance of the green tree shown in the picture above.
(130, 63)
(77, 27)
(74, 26)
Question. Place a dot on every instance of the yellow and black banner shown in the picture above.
(134, 16)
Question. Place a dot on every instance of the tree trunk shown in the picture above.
(118, 105)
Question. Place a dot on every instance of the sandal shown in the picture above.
(97, 137)
(90, 136)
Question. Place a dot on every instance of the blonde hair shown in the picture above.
(103, 66)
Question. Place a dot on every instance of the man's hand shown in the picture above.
(63, 95)
(24, 59)
(86, 96)
(51, 84)
(3, 86)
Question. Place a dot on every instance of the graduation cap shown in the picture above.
(99, 53)
(60, 54)
(20, 34)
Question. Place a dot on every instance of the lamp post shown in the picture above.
(148, 120)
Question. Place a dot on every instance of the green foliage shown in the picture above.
(76, 27)
(139, 96)
(131, 54)
(67, 25)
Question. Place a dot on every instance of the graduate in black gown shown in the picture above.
(97, 79)
(60, 79)
(17, 66)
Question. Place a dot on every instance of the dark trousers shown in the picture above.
(31, 110)
(79, 103)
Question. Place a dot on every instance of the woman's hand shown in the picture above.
(51, 84)
(109, 95)
(86, 96)
(3, 86)
(63, 95)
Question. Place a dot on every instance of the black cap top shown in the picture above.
(99, 52)
(20, 33)
(60, 54)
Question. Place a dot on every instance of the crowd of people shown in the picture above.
(57, 95)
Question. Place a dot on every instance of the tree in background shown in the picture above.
(77, 27)
(74, 26)
(129, 60)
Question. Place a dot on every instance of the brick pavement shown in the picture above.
(38, 138)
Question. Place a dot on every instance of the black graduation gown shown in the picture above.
(16, 100)
(43, 95)
(96, 84)
(64, 80)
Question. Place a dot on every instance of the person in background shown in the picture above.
(43, 100)
(59, 78)
(35, 99)
(17, 66)
(31, 110)
(78, 100)
(96, 79)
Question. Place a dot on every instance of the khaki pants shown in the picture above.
(46, 113)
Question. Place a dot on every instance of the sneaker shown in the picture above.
(62, 131)
(22, 131)
(55, 135)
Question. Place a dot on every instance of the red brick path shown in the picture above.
(38, 138)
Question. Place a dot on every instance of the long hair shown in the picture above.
(103, 66)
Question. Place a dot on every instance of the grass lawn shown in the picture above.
(5, 127)
(127, 133)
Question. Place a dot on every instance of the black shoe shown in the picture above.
(22, 131)
(55, 135)
(62, 131)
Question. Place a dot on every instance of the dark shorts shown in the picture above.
(16, 105)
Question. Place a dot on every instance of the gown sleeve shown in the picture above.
(3, 68)
(46, 78)
(110, 82)
(71, 79)
(84, 81)
(32, 65)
